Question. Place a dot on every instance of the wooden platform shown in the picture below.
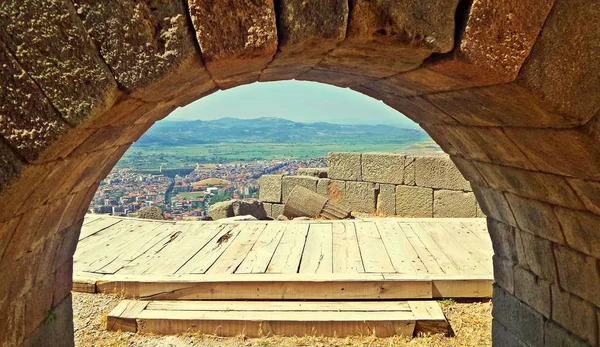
(287, 318)
(322, 260)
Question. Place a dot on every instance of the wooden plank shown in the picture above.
(317, 256)
(114, 255)
(123, 316)
(255, 319)
(447, 249)
(430, 318)
(235, 254)
(256, 324)
(262, 252)
(92, 217)
(288, 306)
(479, 249)
(432, 257)
(288, 254)
(190, 240)
(97, 225)
(374, 254)
(267, 287)
(204, 259)
(346, 253)
(479, 228)
(467, 288)
(402, 254)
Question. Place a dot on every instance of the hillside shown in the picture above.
(269, 130)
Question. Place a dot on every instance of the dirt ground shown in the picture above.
(471, 323)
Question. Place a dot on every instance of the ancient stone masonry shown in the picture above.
(510, 89)
(385, 184)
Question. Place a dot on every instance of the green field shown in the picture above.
(151, 157)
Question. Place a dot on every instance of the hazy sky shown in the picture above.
(299, 101)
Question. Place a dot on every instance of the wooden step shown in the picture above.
(359, 286)
(284, 318)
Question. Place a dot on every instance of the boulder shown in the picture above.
(303, 202)
(232, 208)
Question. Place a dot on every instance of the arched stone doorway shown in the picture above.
(510, 89)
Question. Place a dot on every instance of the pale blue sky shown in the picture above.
(299, 101)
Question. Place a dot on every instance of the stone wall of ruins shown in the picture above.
(384, 184)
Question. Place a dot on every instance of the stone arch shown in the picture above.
(510, 89)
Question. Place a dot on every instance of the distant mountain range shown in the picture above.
(270, 130)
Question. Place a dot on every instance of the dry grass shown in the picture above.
(471, 324)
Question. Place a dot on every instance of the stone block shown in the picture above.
(501, 336)
(50, 43)
(533, 290)
(414, 202)
(37, 302)
(233, 208)
(335, 78)
(11, 168)
(360, 196)
(66, 248)
(454, 204)
(520, 319)
(268, 209)
(494, 205)
(536, 254)
(574, 314)
(344, 166)
(561, 67)
(270, 188)
(323, 186)
(59, 333)
(504, 273)
(578, 273)
(158, 46)
(534, 185)
(12, 329)
(472, 143)
(503, 239)
(439, 172)
(277, 210)
(307, 31)
(336, 190)
(495, 41)
(416, 108)
(382, 168)
(502, 103)
(63, 282)
(386, 200)
(319, 172)
(29, 123)
(589, 192)
(536, 217)
(229, 39)
(567, 152)
(556, 336)
(409, 171)
(469, 171)
(580, 229)
(23, 236)
(384, 38)
(289, 182)
(480, 213)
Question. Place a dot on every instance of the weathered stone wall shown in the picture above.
(509, 88)
(386, 184)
